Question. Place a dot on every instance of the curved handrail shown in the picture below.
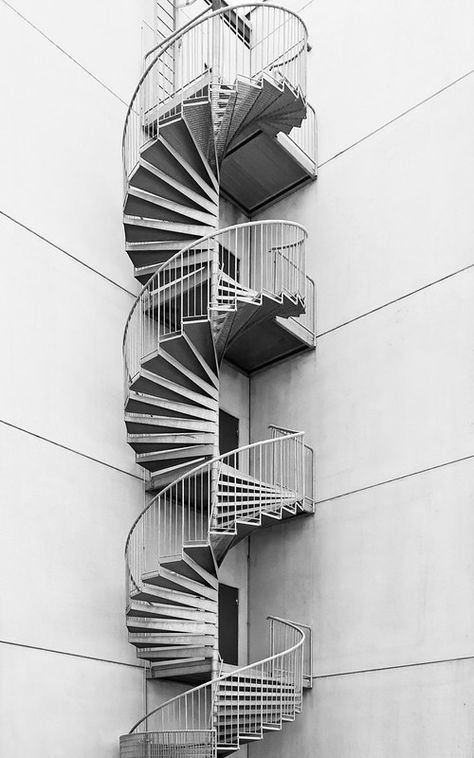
(258, 257)
(180, 34)
(198, 243)
(164, 44)
(201, 469)
(203, 466)
(235, 673)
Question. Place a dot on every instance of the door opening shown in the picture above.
(229, 624)
(228, 433)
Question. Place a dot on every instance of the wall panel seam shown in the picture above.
(397, 300)
(62, 50)
(396, 479)
(70, 655)
(396, 118)
(363, 315)
(62, 250)
(70, 449)
(395, 667)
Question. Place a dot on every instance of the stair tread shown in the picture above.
(156, 361)
(159, 639)
(157, 622)
(162, 575)
(185, 410)
(179, 208)
(159, 384)
(186, 566)
(167, 438)
(135, 607)
(150, 459)
(205, 182)
(174, 227)
(198, 199)
(186, 422)
(150, 593)
(174, 661)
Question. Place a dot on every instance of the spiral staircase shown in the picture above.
(208, 292)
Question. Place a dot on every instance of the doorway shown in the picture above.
(229, 624)
(228, 433)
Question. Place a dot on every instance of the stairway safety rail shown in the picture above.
(201, 501)
(223, 74)
(205, 52)
(253, 258)
(246, 698)
(308, 464)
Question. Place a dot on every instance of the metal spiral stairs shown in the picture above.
(204, 289)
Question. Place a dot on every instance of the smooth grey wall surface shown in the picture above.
(384, 570)
(70, 684)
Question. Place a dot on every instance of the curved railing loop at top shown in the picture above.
(258, 257)
(192, 712)
(212, 51)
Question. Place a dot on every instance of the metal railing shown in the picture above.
(247, 260)
(207, 56)
(308, 464)
(195, 743)
(307, 647)
(261, 478)
(238, 703)
(255, 479)
(278, 641)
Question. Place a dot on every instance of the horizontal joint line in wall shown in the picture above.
(62, 250)
(397, 666)
(396, 479)
(396, 118)
(62, 50)
(397, 300)
(71, 655)
(70, 449)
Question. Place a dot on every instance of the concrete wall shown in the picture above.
(384, 571)
(70, 683)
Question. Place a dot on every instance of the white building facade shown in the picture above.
(382, 572)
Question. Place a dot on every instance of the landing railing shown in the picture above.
(263, 477)
(204, 500)
(260, 257)
(276, 628)
(262, 693)
(308, 463)
(211, 52)
(198, 743)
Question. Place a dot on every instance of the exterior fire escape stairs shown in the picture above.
(204, 289)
